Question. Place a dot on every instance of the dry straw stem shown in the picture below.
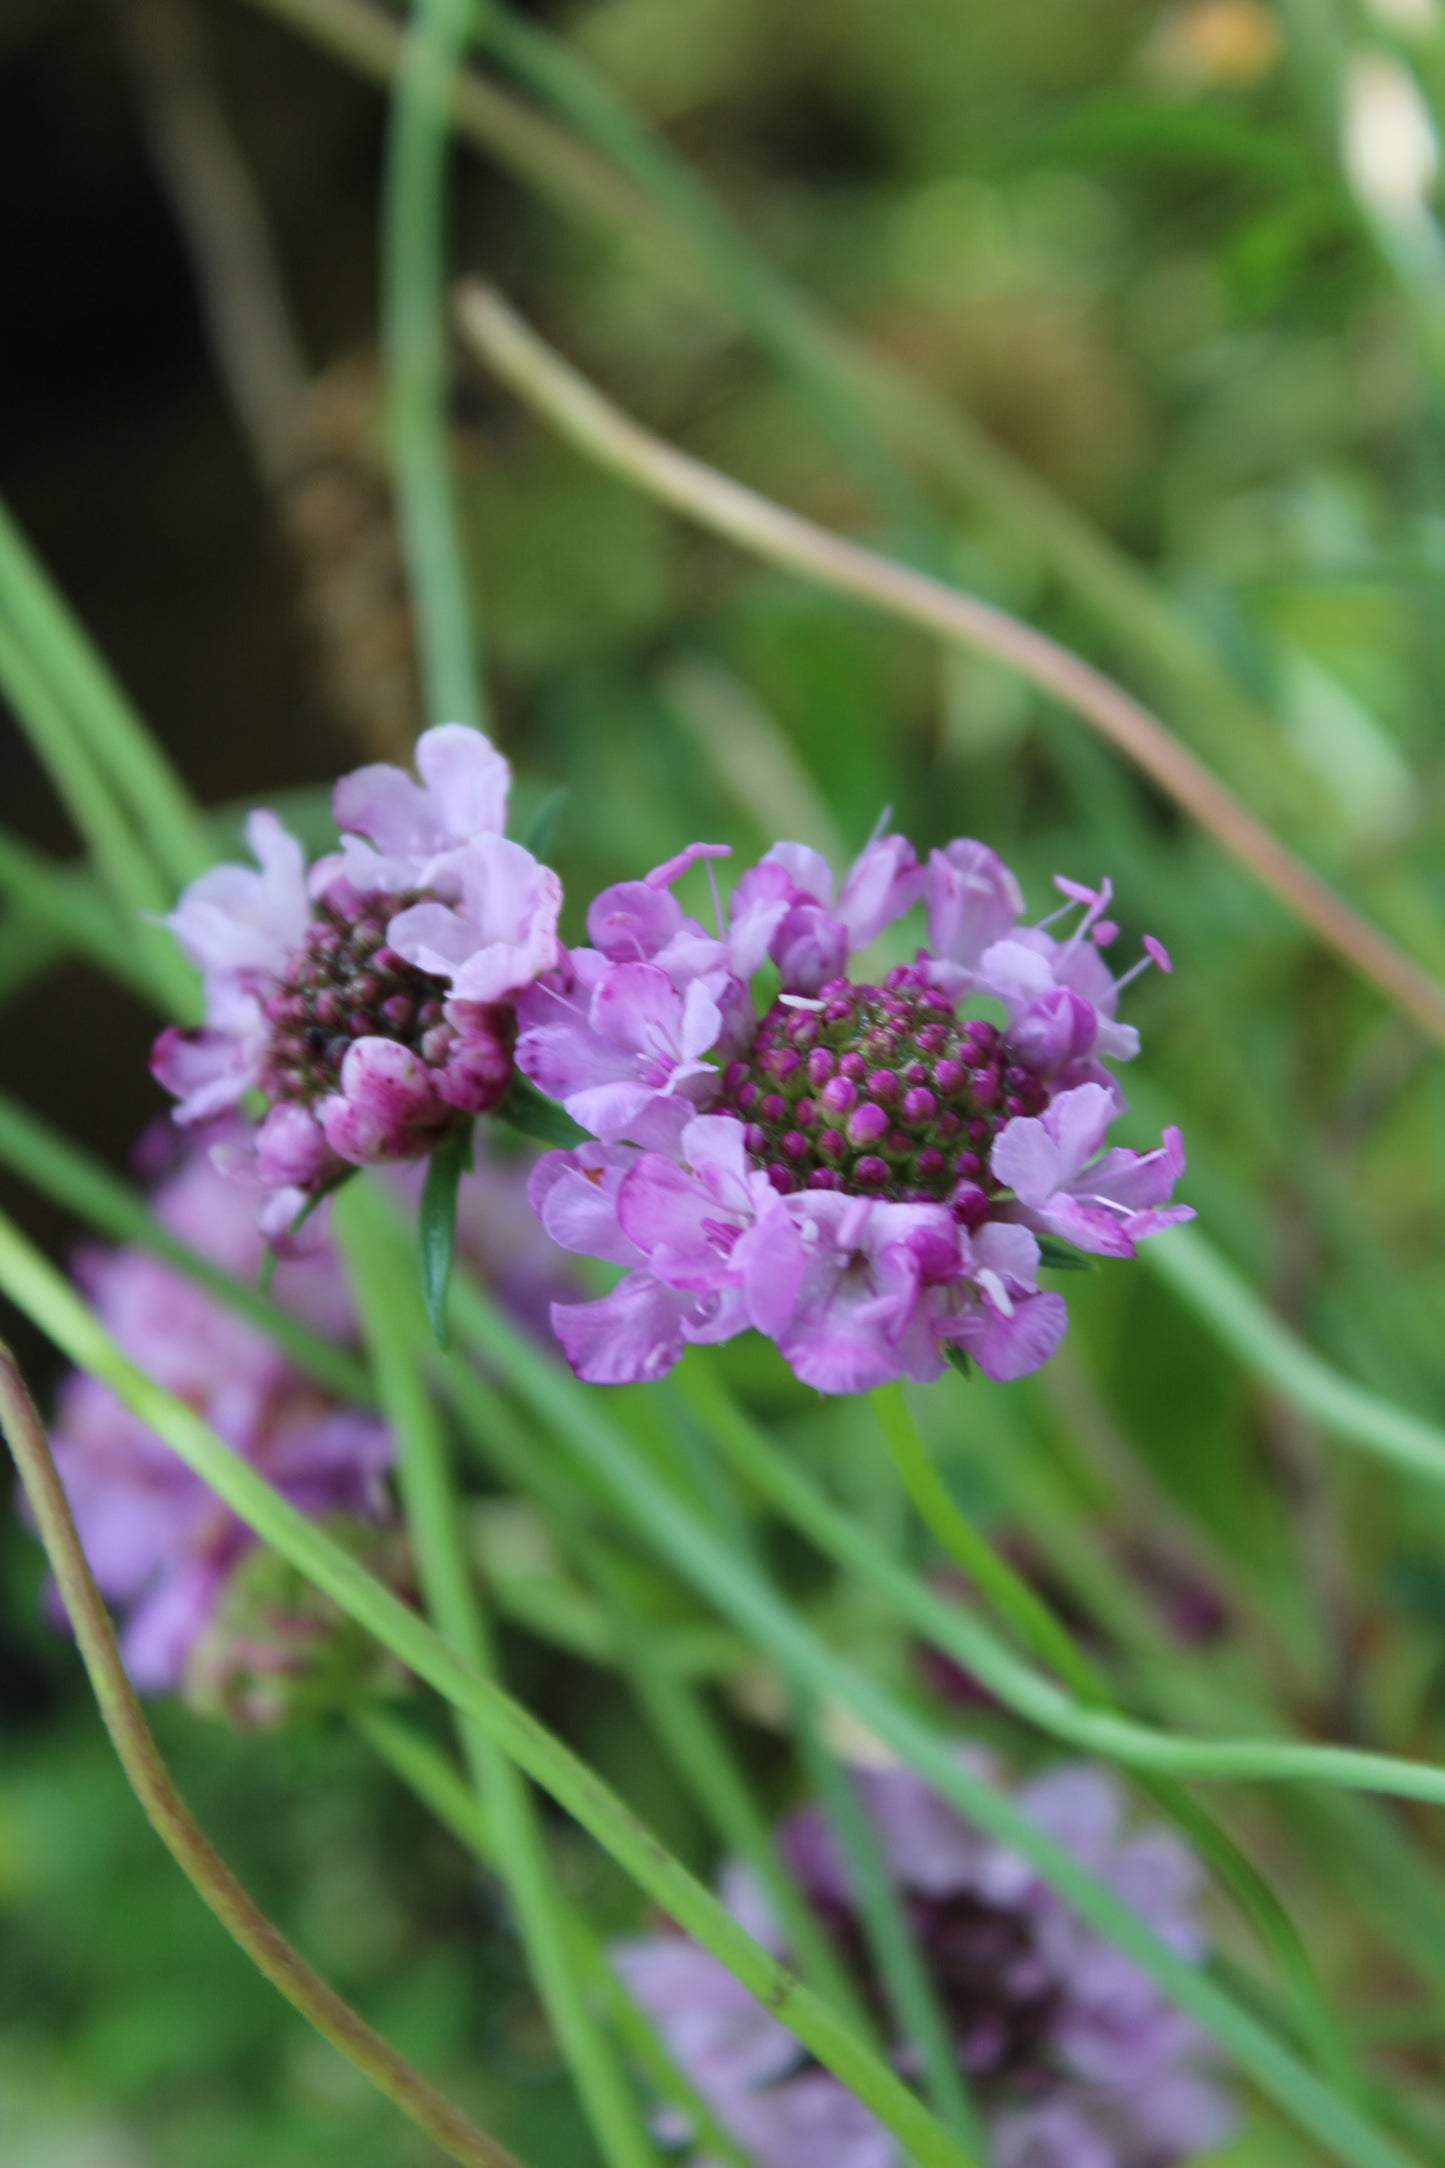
(498, 337)
(174, 1824)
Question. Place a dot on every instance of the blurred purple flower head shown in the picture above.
(162, 1546)
(862, 1173)
(1071, 2055)
(369, 1001)
(202, 1610)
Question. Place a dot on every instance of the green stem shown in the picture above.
(414, 326)
(580, 414)
(1038, 1629)
(1219, 1296)
(444, 1792)
(45, 1296)
(435, 1521)
(118, 739)
(72, 905)
(172, 1821)
(995, 1579)
(31, 1149)
(915, 2008)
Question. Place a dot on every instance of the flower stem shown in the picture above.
(414, 326)
(514, 353)
(1007, 1591)
(394, 1326)
(171, 1819)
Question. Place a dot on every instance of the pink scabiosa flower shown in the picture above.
(1072, 2056)
(370, 1001)
(916, 1155)
(175, 1560)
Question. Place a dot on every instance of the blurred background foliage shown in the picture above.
(1176, 279)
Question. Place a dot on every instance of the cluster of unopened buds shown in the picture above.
(864, 1171)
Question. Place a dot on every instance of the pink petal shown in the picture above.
(630, 1337)
(468, 780)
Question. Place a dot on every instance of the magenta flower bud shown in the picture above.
(882, 1085)
(782, 1178)
(853, 1065)
(929, 1163)
(781, 1061)
(970, 1205)
(793, 1144)
(747, 1094)
(734, 1076)
(756, 1138)
(773, 1108)
(968, 1166)
(867, 1124)
(838, 1095)
(838, 1012)
(833, 1144)
(949, 1076)
(821, 1064)
(915, 1073)
(899, 1143)
(805, 1113)
(825, 1178)
(919, 1105)
(949, 1123)
(399, 1010)
(870, 1172)
(986, 1087)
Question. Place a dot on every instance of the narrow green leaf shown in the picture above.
(532, 1114)
(1063, 1257)
(957, 1359)
(437, 1224)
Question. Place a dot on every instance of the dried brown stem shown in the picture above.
(174, 1824)
(498, 337)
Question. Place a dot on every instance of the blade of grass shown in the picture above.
(70, 902)
(414, 331)
(386, 1300)
(499, 338)
(579, 1426)
(139, 771)
(210, 1877)
(441, 1788)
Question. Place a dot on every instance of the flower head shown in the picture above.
(1071, 2054)
(914, 1153)
(162, 1546)
(205, 1609)
(369, 1002)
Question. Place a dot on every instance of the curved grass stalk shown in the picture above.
(70, 903)
(1038, 1629)
(41, 1291)
(82, 684)
(45, 1296)
(440, 1787)
(385, 1299)
(1012, 1681)
(414, 329)
(690, 1547)
(1218, 1295)
(513, 352)
(119, 858)
(168, 1814)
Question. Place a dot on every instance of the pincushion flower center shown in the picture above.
(346, 983)
(880, 1091)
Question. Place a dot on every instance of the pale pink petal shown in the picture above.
(628, 1337)
(884, 881)
(467, 778)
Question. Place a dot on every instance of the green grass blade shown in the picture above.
(414, 327)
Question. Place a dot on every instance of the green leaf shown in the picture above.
(1062, 1257)
(957, 1358)
(532, 1114)
(537, 836)
(437, 1225)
